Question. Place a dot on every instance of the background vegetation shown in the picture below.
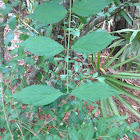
(68, 68)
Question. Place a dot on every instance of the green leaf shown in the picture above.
(48, 13)
(23, 36)
(137, 133)
(3, 69)
(21, 69)
(115, 57)
(49, 137)
(125, 76)
(73, 118)
(124, 30)
(93, 42)
(124, 84)
(134, 34)
(127, 18)
(130, 95)
(56, 137)
(12, 22)
(49, 31)
(127, 105)
(8, 8)
(94, 91)
(113, 132)
(125, 61)
(6, 1)
(130, 135)
(73, 134)
(9, 37)
(101, 127)
(134, 125)
(42, 46)
(103, 106)
(3, 24)
(38, 95)
(58, 1)
(29, 61)
(88, 132)
(89, 7)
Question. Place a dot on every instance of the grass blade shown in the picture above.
(123, 91)
(103, 108)
(113, 106)
(124, 62)
(98, 63)
(115, 57)
(122, 76)
(124, 84)
(126, 104)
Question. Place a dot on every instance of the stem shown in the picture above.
(92, 58)
(2, 92)
(28, 26)
(68, 50)
(91, 62)
(20, 127)
(98, 63)
(20, 130)
(95, 60)
(108, 57)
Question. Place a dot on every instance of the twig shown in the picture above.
(19, 121)
(68, 47)
(29, 26)
(2, 92)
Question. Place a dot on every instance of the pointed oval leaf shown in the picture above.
(89, 7)
(12, 22)
(93, 42)
(38, 95)
(9, 37)
(94, 91)
(48, 13)
(42, 46)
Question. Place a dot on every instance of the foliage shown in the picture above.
(60, 100)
